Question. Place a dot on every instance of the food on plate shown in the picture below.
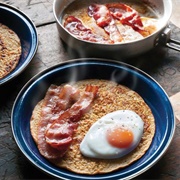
(105, 102)
(113, 135)
(109, 22)
(60, 114)
(10, 50)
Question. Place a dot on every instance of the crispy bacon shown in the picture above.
(126, 15)
(75, 26)
(108, 17)
(56, 101)
(104, 19)
(60, 134)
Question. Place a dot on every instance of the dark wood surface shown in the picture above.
(161, 63)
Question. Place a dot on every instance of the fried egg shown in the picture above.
(113, 135)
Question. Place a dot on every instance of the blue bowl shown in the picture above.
(25, 29)
(80, 69)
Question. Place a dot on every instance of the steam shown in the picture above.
(124, 77)
(120, 75)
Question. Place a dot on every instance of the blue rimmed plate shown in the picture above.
(25, 29)
(91, 68)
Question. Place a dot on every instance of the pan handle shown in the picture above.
(166, 40)
(173, 43)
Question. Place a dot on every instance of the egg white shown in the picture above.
(95, 144)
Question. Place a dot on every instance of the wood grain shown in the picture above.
(40, 11)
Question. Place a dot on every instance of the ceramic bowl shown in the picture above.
(80, 69)
(22, 25)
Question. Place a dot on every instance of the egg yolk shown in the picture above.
(119, 137)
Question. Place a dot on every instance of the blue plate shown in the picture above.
(25, 29)
(80, 69)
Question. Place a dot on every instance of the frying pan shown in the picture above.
(163, 8)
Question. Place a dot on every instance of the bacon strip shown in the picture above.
(126, 15)
(56, 101)
(75, 26)
(60, 134)
(104, 19)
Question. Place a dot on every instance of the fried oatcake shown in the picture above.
(10, 50)
(111, 97)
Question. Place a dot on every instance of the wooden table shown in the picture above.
(162, 64)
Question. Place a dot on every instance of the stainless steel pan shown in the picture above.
(162, 36)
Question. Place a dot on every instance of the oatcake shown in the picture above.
(111, 97)
(10, 50)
